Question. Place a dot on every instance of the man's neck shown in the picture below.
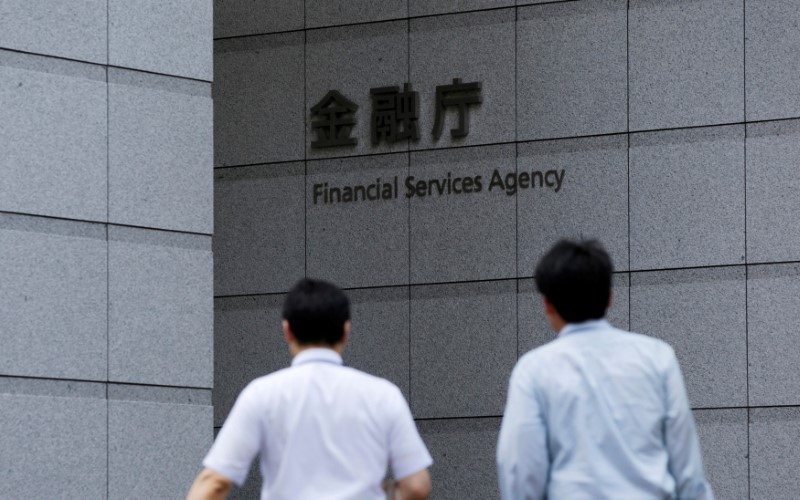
(296, 348)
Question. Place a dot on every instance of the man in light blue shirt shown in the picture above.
(598, 413)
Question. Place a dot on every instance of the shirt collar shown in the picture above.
(593, 324)
(317, 355)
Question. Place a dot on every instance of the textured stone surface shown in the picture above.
(75, 30)
(333, 12)
(429, 7)
(259, 112)
(53, 296)
(773, 214)
(475, 47)
(773, 313)
(462, 236)
(259, 238)
(379, 338)
(535, 330)
(248, 343)
(352, 60)
(723, 441)
(360, 243)
(571, 69)
(173, 37)
(160, 152)
(771, 62)
(53, 137)
(160, 308)
(686, 63)
(156, 394)
(53, 447)
(687, 198)
(774, 457)
(463, 452)
(155, 450)
(463, 347)
(245, 17)
(710, 340)
(591, 201)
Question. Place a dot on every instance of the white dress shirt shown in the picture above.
(323, 430)
(599, 413)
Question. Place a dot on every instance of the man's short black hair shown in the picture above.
(316, 311)
(576, 278)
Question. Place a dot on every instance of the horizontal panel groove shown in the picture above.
(22, 216)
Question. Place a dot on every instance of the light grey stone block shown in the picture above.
(52, 387)
(172, 37)
(686, 63)
(774, 455)
(771, 63)
(723, 441)
(709, 341)
(468, 235)
(157, 394)
(155, 450)
(160, 308)
(248, 343)
(571, 69)
(160, 152)
(53, 447)
(333, 12)
(687, 198)
(352, 60)
(430, 7)
(474, 47)
(259, 240)
(379, 338)
(463, 452)
(360, 243)
(53, 296)
(75, 30)
(589, 200)
(463, 347)
(53, 136)
(773, 313)
(245, 17)
(773, 215)
(259, 112)
(533, 328)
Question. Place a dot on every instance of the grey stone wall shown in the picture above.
(676, 123)
(106, 338)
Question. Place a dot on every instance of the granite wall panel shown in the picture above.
(245, 17)
(160, 152)
(709, 341)
(462, 221)
(431, 7)
(53, 296)
(472, 47)
(333, 12)
(723, 441)
(172, 37)
(463, 347)
(248, 91)
(687, 198)
(571, 69)
(774, 457)
(686, 63)
(168, 276)
(53, 137)
(260, 236)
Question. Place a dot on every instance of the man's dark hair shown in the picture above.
(316, 311)
(576, 278)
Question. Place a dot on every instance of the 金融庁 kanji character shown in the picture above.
(333, 121)
(459, 95)
(394, 114)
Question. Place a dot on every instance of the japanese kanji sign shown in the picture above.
(394, 116)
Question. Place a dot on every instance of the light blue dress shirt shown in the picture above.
(599, 413)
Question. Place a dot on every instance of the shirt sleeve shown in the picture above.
(683, 446)
(407, 452)
(523, 461)
(238, 441)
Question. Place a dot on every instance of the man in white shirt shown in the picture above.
(323, 430)
(598, 412)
